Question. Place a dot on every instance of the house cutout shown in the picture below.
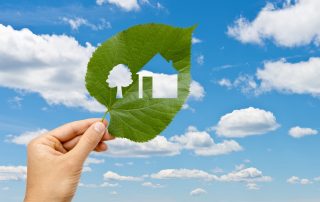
(164, 85)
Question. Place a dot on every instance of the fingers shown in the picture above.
(89, 140)
(101, 147)
(70, 130)
(72, 143)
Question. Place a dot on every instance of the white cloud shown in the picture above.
(250, 176)
(183, 174)
(202, 143)
(8, 173)
(246, 122)
(159, 146)
(53, 66)
(26, 137)
(297, 180)
(86, 169)
(293, 180)
(281, 76)
(197, 91)
(152, 185)
(186, 106)
(112, 176)
(197, 192)
(196, 40)
(91, 160)
(298, 132)
(252, 186)
(104, 184)
(225, 83)
(127, 5)
(245, 83)
(200, 59)
(317, 179)
(296, 23)
(247, 175)
(305, 181)
(300, 78)
(76, 22)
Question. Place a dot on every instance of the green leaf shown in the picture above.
(140, 119)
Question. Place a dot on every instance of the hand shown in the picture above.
(55, 159)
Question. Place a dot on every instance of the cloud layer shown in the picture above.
(199, 142)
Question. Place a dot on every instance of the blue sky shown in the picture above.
(249, 130)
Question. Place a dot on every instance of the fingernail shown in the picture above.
(99, 127)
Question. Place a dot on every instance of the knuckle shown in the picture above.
(90, 139)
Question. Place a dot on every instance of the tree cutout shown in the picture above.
(119, 76)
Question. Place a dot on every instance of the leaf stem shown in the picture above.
(104, 116)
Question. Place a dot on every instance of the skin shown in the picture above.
(55, 159)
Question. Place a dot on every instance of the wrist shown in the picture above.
(38, 196)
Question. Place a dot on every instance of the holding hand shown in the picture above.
(55, 159)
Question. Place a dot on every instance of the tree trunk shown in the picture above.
(119, 92)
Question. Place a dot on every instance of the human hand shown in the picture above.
(55, 159)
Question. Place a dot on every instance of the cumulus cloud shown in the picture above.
(202, 143)
(297, 180)
(300, 78)
(112, 176)
(197, 91)
(298, 132)
(126, 5)
(283, 25)
(76, 22)
(26, 137)
(247, 175)
(183, 174)
(281, 76)
(197, 192)
(8, 173)
(53, 66)
(246, 122)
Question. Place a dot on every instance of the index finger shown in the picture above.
(70, 130)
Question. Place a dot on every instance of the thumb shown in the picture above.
(88, 141)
